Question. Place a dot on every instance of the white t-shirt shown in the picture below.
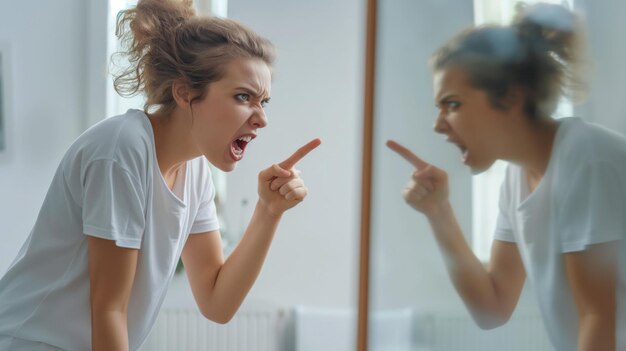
(580, 201)
(108, 185)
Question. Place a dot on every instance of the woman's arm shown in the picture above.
(111, 275)
(592, 275)
(490, 294)
(220, 287)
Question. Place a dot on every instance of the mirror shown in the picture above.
(407, 300)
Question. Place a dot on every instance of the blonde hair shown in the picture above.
(164, 41)
(541, 53)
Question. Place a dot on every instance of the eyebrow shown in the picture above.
(252, 92)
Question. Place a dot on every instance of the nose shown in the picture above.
(440, 126)
(258, 119)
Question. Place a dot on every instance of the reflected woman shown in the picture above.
(562, 208)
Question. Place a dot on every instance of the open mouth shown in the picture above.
(464, 151)
(238, 146)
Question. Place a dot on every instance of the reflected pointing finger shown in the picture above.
(407, 154)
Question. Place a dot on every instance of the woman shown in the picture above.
(563, 202)
(134, 192)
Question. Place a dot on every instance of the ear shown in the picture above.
(514, 99)
(181, 93)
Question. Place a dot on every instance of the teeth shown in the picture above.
(246, 138)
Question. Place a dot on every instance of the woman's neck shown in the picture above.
(172, 141)
(533, 143)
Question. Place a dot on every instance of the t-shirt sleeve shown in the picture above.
(504, 229)
(206, 217)
(592, 209)
(113, 204)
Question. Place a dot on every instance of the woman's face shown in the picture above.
(231, 113)
(468, 119)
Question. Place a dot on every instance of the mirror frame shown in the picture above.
(366, 177)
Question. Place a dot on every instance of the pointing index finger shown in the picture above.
(299, 154)
(407, 155)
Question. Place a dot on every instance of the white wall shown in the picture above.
(47, 42)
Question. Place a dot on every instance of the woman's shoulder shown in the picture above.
(587, 155)
(201, 169)
(126, 139)
(584, 143)
(128, 129)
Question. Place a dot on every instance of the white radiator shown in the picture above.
(187, 330)
(262, 329)
(459, 332)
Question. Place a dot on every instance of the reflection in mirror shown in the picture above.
(439, 277)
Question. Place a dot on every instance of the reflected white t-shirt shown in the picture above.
(108, 185)
(580, 201)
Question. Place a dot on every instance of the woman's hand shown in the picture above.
(427, 191)
(280, 186)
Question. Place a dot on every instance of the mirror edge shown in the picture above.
(366, 177)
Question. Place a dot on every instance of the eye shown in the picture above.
(265, 102)
(242, 97)
(452, 105)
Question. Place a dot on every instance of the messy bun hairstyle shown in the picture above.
(541, 53)
(164, 41)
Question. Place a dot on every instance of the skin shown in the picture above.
(232, 107)
(485, 134)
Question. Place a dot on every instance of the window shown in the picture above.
(115, 103)
(486, 186)
(5, 99)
